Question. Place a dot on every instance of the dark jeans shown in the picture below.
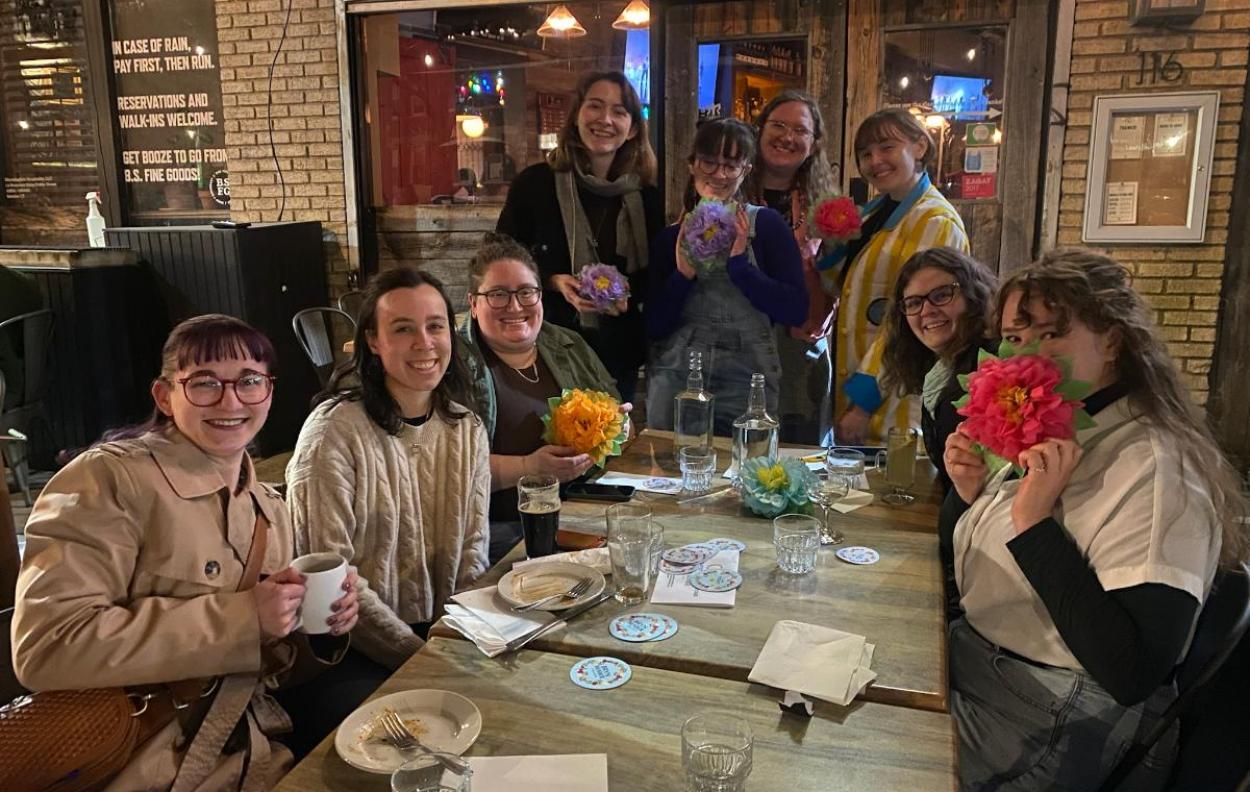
(503, 537)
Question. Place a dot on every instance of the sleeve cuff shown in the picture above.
(862, 390)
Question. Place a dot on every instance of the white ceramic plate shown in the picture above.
(532, 583)
(446, 722)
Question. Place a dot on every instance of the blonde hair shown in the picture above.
(1095, 289)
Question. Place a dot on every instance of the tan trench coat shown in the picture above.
(133, 556)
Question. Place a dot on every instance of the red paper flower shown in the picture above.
(836, 219)
(1014, 403)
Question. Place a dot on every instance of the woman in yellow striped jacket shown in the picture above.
(892, 150)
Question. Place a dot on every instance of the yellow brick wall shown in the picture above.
(1181, 281)
(305, 108)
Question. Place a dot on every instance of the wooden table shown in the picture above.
(529, 706)
(897, 603)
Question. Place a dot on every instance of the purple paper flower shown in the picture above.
(710, 231)
(603, 285)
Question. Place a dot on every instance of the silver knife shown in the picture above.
(576, 610)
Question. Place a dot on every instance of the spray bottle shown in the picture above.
(95, 220)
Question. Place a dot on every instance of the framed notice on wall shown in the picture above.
(1150, 167)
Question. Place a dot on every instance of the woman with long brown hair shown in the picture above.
(594, 200)
(1080, 582)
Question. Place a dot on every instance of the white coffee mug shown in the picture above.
(324, 574)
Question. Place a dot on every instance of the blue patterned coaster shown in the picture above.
(600, 673)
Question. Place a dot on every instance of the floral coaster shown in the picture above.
(726, 544)
(716, 580)
(600, 673)
(640, 627)
(858, 555)
(688, 555)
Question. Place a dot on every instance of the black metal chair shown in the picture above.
(1223, 622)
(10, 688)
(350, 302)
(321, 333)
(28, 339)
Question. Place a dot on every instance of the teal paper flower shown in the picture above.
(775, 486)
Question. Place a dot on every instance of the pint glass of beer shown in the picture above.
(538, 501)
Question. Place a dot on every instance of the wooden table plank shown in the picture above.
(529, 706)
(896, 604)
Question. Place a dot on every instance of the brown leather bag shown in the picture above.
(74, 740)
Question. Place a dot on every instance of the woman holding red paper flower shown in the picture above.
(892, 151)
(720, 279)
(792, 177)
(1079, 581)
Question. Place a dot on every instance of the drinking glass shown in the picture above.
(899, 461)
(538, 501)
(631, 548)
(825, 489)
(698, 463)
(796, 537)
(425, 773)
(716, 752)
(849, 462)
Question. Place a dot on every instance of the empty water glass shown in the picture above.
(631, 549)
(716, 752)
(425, 773)
(796, 537)
(698, 463)
(848, 462)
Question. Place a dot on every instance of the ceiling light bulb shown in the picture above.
(904, 82)
(561, 24)
(473, 126)
(635, 16)
(972, 54)
(429, 61)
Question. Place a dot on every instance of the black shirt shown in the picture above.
(520, 404)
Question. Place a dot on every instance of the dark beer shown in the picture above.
(539, 520)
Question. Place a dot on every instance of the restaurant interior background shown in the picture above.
(398, 124)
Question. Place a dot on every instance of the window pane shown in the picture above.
(739, 77)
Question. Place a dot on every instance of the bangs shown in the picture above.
(881, 130)
(1050, 296)
(206, 339)
(729, 139)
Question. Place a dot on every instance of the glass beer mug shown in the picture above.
(899, 463)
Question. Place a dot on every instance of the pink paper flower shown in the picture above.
(1015, 403)
(836, 219)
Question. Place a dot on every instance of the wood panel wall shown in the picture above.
(437, 239)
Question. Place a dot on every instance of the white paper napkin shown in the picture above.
(596, 558)
(666, 485)
(855, 499)
(565, 773)
(674, 589)
(816, 661)
(487, 619)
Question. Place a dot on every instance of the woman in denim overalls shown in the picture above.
(726, 313)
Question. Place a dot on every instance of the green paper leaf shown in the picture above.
(1005, 350)
(1082, 420)
(1074, 390)
(984, 355)
(962, 401)
(963, 379)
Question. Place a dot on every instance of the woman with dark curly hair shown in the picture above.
(935, 329)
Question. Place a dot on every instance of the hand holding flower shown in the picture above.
(560, 461)
(588, 422)
(683, 261)
(965, 466)
(569, 288)
(1049, 465)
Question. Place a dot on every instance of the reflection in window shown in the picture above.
(953, 78)
(739, 77)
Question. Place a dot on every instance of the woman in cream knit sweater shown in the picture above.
(394, 475)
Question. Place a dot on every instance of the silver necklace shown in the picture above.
(533, 366)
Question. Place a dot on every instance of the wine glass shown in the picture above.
(825, 489)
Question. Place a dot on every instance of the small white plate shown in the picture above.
(448, 721)
(532, 583)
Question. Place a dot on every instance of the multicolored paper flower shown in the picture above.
(775, 486)
(587, 421)
(835, 218)
(603, 285)
(1018, 399)
(709, 233)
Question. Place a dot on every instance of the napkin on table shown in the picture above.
(854, 499)
(816, 661)
(566, 773)
(596, 558)
(487, 620)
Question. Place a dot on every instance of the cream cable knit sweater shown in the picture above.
(408, 511)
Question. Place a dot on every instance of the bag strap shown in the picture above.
(256, 552)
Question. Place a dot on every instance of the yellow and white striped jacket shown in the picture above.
(923, 220)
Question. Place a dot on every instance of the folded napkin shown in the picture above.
(855, 499)
(487, 619)
(596, 558)
(674, 589)
(665, 485)
(816, 661)
(565, 773)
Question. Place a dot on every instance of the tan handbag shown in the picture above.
(72, 740)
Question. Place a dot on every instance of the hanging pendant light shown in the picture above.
(561, 24)
(636, 16)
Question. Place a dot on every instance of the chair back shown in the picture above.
(321, 333)
(28, 337)
(350, 302)
(1223, 622)
(10, 688)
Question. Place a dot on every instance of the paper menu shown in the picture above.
(674, 589)
(561, 773)
(1121, 205)
(1127, 136)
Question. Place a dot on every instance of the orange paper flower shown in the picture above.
(589, 422)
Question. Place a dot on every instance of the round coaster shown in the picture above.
(726, 544)
(600, 673)
(715, 580)
(669, 631)
(661, 484)
(639, 627)
(688, 555)
(858, 555)
(678, 569)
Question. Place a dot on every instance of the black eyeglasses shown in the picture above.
(526, 296)
(205, 390)
(708, 167)
(940, 296)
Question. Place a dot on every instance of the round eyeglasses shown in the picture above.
(781, 129)
(940, 296)
(205, 390)
(526, 296)
(708, 167)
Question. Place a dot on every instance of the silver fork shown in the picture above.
(576, 590)
(405, 740)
